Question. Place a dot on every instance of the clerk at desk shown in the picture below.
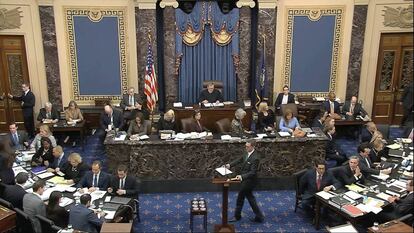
(210, 95)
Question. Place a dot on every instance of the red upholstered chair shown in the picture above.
(223, 125)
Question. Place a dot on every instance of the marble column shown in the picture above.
(47, 23)
(356, 50)
(170, 78)
(243, 76)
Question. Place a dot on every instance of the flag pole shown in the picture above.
(152, 110)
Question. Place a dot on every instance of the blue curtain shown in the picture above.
(207, 60)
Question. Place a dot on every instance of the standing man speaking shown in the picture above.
(248, 177)
(27, 103)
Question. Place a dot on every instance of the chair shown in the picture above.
(46, 224)
(384, 129)
(336, 173)
(217, 84)
(148, 124)
(23, 222)
(297, 176)
(6, 204)
(186, 124)
(137, 209)
(223, 125)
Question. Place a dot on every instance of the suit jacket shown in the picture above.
(83, 219)
(103, 182)
(117, 119)
(265, 121)
(327, 107)
(278, 102)
(74, 115)
(46, 156)
(54, 114)
(74, 173)
(63, 160)
(195, 127)
(28, 102)
(14, 194)
(308, 186)
(125, 101)
(404, 206)
(134, 129)
(22, 138)
(317, 124)
(210, 97)
(59, 216)
(248, 169)
(6, 171)
(365, 169)
(167, 125)
(32, 206)
(358, 110)
(407, 97)
(131, 186)
(346, 176)
(366, 136)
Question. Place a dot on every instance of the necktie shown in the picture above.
(95, 181)
(352, 109)
(369, 166)
(318, 182)
(16, 139)
(247, 157)
(131, 101)
(58, 162)
(48, 115)
(121, 184)
(332, 108)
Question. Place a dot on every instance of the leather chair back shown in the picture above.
(186, 124)
(217, 84)
(223, 125)
(292, 107)
(148, 124)
(46, 224)
(23, 222)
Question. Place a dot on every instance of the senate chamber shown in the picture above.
(206, 116)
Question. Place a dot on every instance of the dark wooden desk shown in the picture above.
(392, 226)
(210, 115)
(7, 219)
(62, 127)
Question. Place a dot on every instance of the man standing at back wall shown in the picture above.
(27, 103)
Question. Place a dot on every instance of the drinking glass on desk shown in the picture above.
(101, 202)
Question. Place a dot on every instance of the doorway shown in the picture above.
(13, 74)
(394, 73)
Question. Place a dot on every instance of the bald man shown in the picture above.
(110, 119)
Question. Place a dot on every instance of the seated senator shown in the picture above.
(19, 139)
(7, 158)
(123, 184)
(48, 114)
(111, 119)
(350, 173)
(333, 151)
(138, 126)
(237, 127)
(96, 179)
(15, 193)
(399, 207)
(314, 180)
(284, 98)
(43, 156)
(319, 121)
(74, 169)
(59, 161)
(352, 108)
(73, 112)
(131, 104)
(332, 106)
(266, 118)
(44, 131)
(168, 122)
(368, 131)
(288, 123)
(210, 95)
(84, 219)
(55, 212)
(377, 150)
(365, 163)
(196, 125)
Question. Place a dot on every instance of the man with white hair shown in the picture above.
(48, 114)
(111, 119)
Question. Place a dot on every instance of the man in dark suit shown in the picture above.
(332, 106)
(27, 102)
(131, 104)
(110, 119)
(407, 103)
(95, 179)
(15, 193)
(352, 108)
(59, 161)
(210, 95)
(248, 177)
(319, 120)
(368, 131)
(350, 173)
(19, 140)
(33, 204)
(84, 219)
(315, 180)
(399, 206)
(284, 98)
(367, 167)
(123, 184)
(48, 114)
(333, 152)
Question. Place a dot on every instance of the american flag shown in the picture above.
(151, 85)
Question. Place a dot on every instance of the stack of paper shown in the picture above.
(353, 195)
(110, 214)
(394, 146)
(18, 169)
(65, 201)
(325, 195)
(383, 196)
(382, 177)
(355, 188)
(284, 134)
(225, 137)
(223, 171)
(343, 228)
(45, 175)
(120, 137)
(57, 180)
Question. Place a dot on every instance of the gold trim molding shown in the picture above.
(314, 14)
(95, 15)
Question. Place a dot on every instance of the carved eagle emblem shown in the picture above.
(398, 17)
(10, 19)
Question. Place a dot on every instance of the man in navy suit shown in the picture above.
(368, 131)
(59, 161)
(95, 179)
(284, 98)
(333, 152)
(365, 163)
(399, 206)
(48, 114)
(84, 219)
(350, 173)
(131, 104)
(27, 103)
(15, 193)
(19, 140)
(332, 106)
(352, 108)
(123, 184)
(315, 180)
(110, 119)
(248, 178)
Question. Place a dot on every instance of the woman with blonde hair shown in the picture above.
(74, 169)
(73, 112)
(266, 118)
(377, 150)
(167, 122)
(44, 131)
